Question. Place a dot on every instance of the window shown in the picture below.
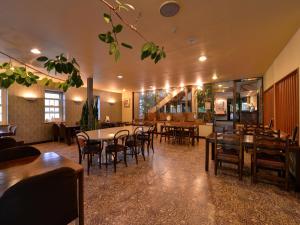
(97, 101)
(54, 106)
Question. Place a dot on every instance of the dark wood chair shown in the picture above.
(118, 145)
(228, 149)
(135, 143)
(12, 129)
(148, 137)
(31, 200)
(272, 154)
(55, 132)
(89, 148)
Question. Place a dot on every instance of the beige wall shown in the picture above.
(286, 62)
(29, 115)
(127, 112)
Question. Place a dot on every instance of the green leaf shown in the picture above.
(102, 37)
(157, 58)
(117, 55)
(146, 46)
(145, 54)
(58, 67)
(42, 59)
(126, 45)
(107, 18)
(112, 48)
(118, 28)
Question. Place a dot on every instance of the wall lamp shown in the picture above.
(77, 100)
(30, 97)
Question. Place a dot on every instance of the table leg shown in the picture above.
(193, 137)
(80, 198)
(212, 151)
(206, 155)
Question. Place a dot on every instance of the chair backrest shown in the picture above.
(121, 135)
(295, 134)
(31, 200)
(82, 139)
(270, 146)
(229, 141)
(18, 152)
(7, 142)
(12, 129)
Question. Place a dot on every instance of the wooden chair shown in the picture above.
(89, 148)
(134, 143)
(148, 138)
(228, 149)
(31, 200)
(12, 129)
(270, 153)
(118, 145)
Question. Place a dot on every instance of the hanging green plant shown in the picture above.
(62, 65)
(10, 74)
(149, 49)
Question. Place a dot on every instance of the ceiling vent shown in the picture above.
(169, 8)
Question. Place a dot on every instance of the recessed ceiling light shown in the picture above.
(35, 51)
(124, 89)
(120, 76)
(215, 77)
(142, 90)
(202, 58)
(220, 85)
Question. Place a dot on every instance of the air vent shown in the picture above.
(169, 8)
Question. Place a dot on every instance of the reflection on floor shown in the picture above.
(171, 187)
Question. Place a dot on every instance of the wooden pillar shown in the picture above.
(90, 97)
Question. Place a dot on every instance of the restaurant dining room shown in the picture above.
(126, 112)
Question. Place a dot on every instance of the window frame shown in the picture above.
(60, 107)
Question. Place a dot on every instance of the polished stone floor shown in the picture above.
(171, 187)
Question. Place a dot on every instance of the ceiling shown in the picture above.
(239, 38)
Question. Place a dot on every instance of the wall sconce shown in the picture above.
(30, 97)
(111, 101)
(77, 100)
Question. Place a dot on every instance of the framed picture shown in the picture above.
(127, 103)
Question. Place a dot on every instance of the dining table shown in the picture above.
(192, 128)
(247, 142)
(107, 134)
(14, 171)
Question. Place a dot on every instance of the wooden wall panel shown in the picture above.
(269, 105)
(287, 103)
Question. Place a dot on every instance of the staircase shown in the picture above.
(165, 100)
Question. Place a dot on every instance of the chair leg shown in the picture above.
(135, 154)
(143, 151)
(125, 156)
(286, 179)
(88, 164)
(115, 161)
(106, 159)
(100, 159)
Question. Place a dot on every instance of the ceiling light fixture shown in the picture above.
(215, 77)
(220, 85)
(202, 58)
(169, 8)
(124, 90)
(35, 51)
(120, 76)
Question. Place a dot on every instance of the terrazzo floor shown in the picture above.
(171, 187)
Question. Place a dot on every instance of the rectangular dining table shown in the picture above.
(248, 141)
(194, 129)
(15, 171)
(108, 134)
